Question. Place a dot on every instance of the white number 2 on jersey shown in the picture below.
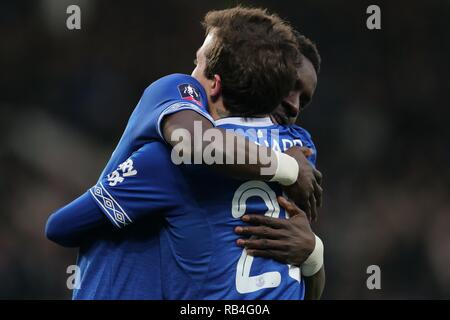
(244, 282)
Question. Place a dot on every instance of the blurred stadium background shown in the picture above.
(379, 119)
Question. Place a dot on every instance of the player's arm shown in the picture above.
(184, 122)
(75, 222)
(145, 184)
(315, 285)
(300, 180)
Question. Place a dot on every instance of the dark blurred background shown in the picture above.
(379, 119)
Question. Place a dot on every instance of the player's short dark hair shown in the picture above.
(309, 50)
(256, 55)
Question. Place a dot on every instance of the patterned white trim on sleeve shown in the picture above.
(110, 206)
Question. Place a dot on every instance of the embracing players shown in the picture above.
(167, 218)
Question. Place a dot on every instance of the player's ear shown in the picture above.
(216, 86)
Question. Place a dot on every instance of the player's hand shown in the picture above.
(289, 241)
(306, 192)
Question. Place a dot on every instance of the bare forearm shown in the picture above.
(191, 135)
(315, 285)
(243, 159)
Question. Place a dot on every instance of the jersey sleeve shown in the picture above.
(310, 144)
(166, 96)
(147, 183)
(70, 225)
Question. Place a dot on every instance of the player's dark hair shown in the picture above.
(309, 50)
(256, 55)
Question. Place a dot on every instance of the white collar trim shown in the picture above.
(250, 122)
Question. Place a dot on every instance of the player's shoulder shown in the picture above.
(178, 86)
(299, 132)
(182, 84)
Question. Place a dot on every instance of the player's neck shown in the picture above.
(218, 111)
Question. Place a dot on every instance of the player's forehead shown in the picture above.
(307, 75)
(209, 39)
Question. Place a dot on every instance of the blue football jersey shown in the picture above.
(232, 274)
(125, 264)
(179, 241)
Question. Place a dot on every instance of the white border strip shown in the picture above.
(249, 122)
(104, 209)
